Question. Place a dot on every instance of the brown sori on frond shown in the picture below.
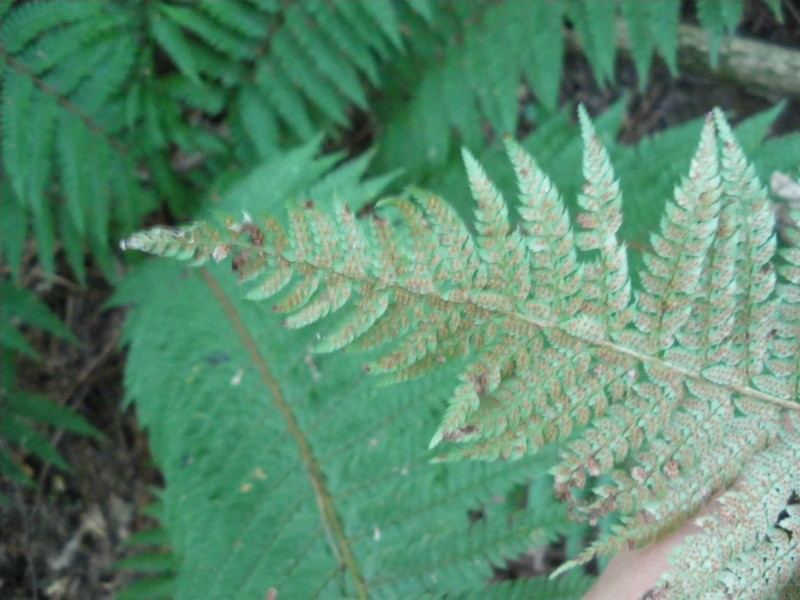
(672, 391)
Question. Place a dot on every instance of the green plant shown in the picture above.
(136, 102)
(22, 414)
(111, 110)
(662, 396)
(324, 477)
(153, 559)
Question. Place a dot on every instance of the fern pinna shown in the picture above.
(662, 394)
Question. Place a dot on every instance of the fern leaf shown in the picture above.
(238, 17)
(422, 8)
(783, 363)
(41, 409)
(216, 34)
(640, 31)
(17, 94)
(303, 74)
(23, 306)
(718, 17)
(385, 507)
(383, 12)
(344, 38)
(363, 20)
(665, 18)
(776, 8)
(13, 231)
(673, 270)
(71, 145)
(548, 237)
(733, 541)
(595, 23)
(372, 307)
(170, 37)
(601, 201)
(297, 506)
(330, 63)
(47, 82)
(23, 416)
(287, 102)
(687, 357)
(29, 21)
(546, 48)
(154, 563)
(258, 120)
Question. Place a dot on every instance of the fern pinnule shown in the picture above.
(607, 280)
(547, 234)
(664, 390)
(782, 368)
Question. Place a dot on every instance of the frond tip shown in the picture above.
(673, 388)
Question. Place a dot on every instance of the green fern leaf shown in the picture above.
(17, 94)
(595, 23)
(776, 8)
(383, 12)
(719, 18)
(23, 306)
(546, 48)
(23, 415)
(154, 564)
(664, 21)
(27, 22)
(343, 37)
(170, 37)
(13, 231)
(216, 34)
(259, 120)
(302, 73)
(66, 65)
(330, 63)
(422, 8)
(637, 19)
(239, 17)
(363, 20)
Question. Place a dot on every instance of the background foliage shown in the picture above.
(114, 114)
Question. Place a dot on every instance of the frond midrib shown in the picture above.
(329, 517)
(467, 307)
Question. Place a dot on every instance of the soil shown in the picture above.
(59, 539)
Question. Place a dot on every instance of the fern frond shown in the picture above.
(290, 503)
(594, 22)
(673, 381)
(67, 64)
(23, 417)
(718, 19)
(153, 562)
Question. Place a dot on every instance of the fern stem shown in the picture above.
(371, 280)
(331, 522)
(541, 324)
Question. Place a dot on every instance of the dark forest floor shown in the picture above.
(61, 539)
